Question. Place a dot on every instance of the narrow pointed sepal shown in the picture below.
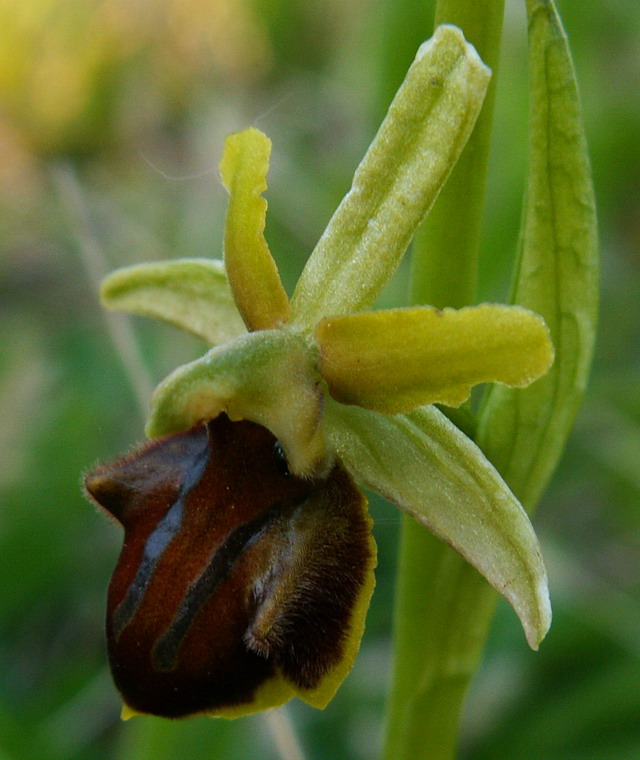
(239, 585)
(415, 149)
(421, 462)
(268, 377)
(252, 272)
(191, 294)
(398, 359)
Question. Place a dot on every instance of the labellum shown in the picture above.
(239, 585)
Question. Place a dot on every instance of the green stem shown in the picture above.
(445, 257)
(443, 607)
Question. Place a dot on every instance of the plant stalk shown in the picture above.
(443, 606)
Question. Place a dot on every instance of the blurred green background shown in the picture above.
(112, 116)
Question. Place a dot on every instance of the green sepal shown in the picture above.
(416, 147)
(524, 432)
(192, 294)
(267, 377)
(422, 463)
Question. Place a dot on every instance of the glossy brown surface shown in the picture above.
(232, 570)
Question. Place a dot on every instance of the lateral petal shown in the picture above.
(398, 359)
(253, 274)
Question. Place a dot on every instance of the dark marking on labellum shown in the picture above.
(232, 572)
(157, 542)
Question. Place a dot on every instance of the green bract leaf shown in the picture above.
(252, 272)
(425, 465)
(267, 377)
(416, 147)
(524, 432)
(397, 359)
(192, 294)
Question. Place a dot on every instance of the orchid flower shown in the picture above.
(248, 561)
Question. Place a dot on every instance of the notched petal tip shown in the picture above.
(453, 38)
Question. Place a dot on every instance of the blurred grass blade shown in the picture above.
(283, 734)
(455, 493)
(416, 147)
(94, 261)
(192, 294)
(524, 432)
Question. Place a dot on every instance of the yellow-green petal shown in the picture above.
(416, 147)
(252, 272)
(398, 359)
(267, 377)
(192, 294)
(524, 433)
(422, 463)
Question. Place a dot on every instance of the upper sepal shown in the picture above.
(410, 158)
